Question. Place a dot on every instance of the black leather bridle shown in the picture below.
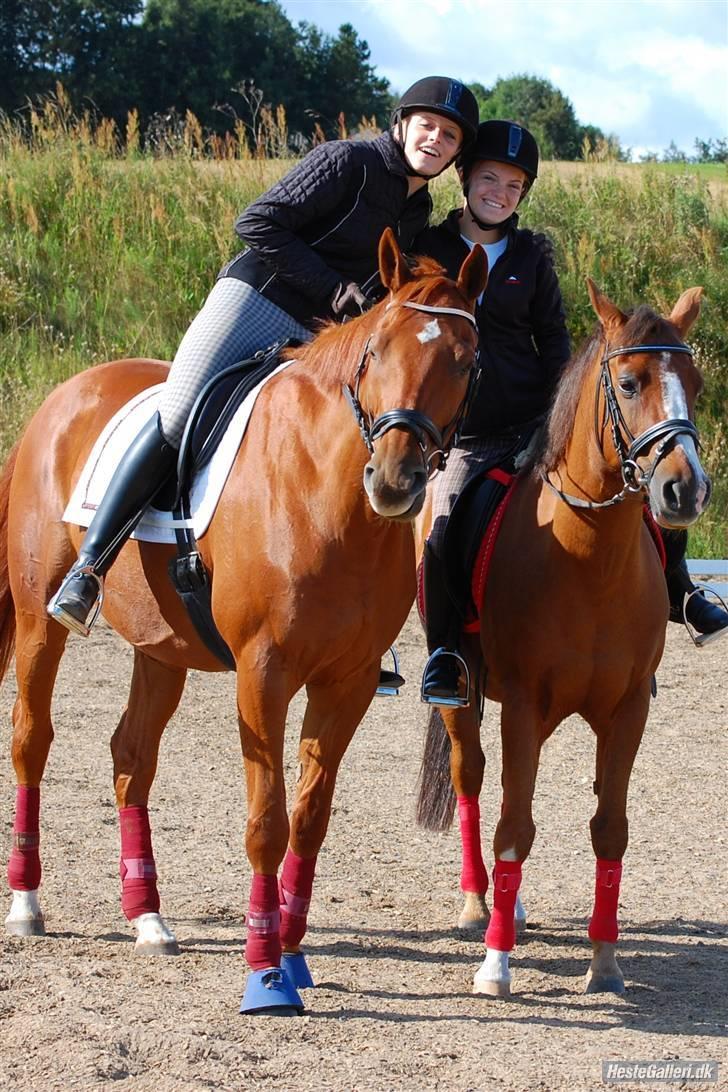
(424, 430)
(627, 445)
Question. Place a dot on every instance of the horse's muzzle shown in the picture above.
(396, 493)
(678, 498)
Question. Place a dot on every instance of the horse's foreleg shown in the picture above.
(155, 693)
(617, 745)
(332, 716)
(39, 647)
(520, 734)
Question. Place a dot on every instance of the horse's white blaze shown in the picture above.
(24, 907)
(152, 929)
(494, 968)
(675, 405)
(430, 331)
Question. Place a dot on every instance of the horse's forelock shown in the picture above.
(644, 326)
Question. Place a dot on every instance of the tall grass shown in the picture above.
(107, 251)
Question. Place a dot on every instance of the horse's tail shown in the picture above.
(436, 799)
(7, 607)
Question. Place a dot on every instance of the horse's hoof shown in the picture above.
(154, 937)
(603, 983)
(270, 993)
(25, 927)
(490, 988)
(296, 967)
(468, 924)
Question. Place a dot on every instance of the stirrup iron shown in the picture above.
(700, 640)
(391, 689)
(56, 611)
(455, 702)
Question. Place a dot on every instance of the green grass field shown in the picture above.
(103, 256)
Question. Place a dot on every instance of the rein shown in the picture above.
(417, 424)
(634, 478)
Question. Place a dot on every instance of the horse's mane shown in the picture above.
(644, 326)
(334, 352)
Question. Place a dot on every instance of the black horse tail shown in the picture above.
(436, 798)
(7, 607)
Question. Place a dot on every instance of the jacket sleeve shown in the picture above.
(548, 321)
(321, 183)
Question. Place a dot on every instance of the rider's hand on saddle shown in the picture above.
(546, 245)
(348, 299)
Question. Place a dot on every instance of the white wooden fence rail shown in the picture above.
(712, 573)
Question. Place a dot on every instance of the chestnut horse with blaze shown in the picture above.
(574, 615)
(312, 558)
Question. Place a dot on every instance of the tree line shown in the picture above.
(225, 60)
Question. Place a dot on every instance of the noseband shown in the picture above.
(424, 430)
(628, 446)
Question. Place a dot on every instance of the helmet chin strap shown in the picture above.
(481, 223)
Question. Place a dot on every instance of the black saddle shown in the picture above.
(468, 521)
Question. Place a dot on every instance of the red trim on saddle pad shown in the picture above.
(24, 864)
(485, 553)
(654, 528)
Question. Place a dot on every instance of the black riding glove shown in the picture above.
(348, 299)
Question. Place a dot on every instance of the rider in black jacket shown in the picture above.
(314, 239)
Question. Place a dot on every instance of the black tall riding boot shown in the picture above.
(443, 623)
(144, 468)
(708, 619)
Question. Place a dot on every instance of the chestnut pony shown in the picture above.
(312, 558)
(574, 614)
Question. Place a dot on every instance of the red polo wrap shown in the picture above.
(137, 869)
(603, 924)
(501, 933)
(24, 864)
(295, 895)
(263, 947)
(474, 874)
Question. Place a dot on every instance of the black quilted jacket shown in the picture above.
(321, 225)
(524, 343)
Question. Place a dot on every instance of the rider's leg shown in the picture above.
(705, 617)
(235, 322)
(443, 624)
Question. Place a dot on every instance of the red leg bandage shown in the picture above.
(24, 864)
(263, 947)
(603, 924)
(474, 874)
(501, 933)
(137, 869)
(295, 895)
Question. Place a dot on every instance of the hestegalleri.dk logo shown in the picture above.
(615, 1070)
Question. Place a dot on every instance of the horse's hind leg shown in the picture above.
(156, 689)
(617, 746)
(39, 647)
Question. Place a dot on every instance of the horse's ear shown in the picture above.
(611, 318)
(473, 275)
(393, 268)
(686, 310)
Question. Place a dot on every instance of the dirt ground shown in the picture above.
(393, 1007)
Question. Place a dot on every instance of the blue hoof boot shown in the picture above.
(295, 966)
(271, 993)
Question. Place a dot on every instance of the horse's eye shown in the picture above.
(628, 386)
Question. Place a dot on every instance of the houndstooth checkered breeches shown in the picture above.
(234, 323)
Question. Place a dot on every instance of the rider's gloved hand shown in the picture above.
(348, 299)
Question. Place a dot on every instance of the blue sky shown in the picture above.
(650, 71)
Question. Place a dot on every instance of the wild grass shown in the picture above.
(108, 250)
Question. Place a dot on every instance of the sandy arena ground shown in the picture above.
(393, 1007)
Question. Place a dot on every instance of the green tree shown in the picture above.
(542, 108)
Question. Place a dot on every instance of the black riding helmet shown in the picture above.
(438, 95)
(503, 142)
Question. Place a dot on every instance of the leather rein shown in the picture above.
(424, 430)
(628, 446)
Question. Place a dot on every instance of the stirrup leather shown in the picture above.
(56, 611)
(456, 701)
(700, 640)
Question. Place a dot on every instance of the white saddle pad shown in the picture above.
(116, 437)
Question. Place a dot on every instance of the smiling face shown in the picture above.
(494, 190)
(431, 141)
